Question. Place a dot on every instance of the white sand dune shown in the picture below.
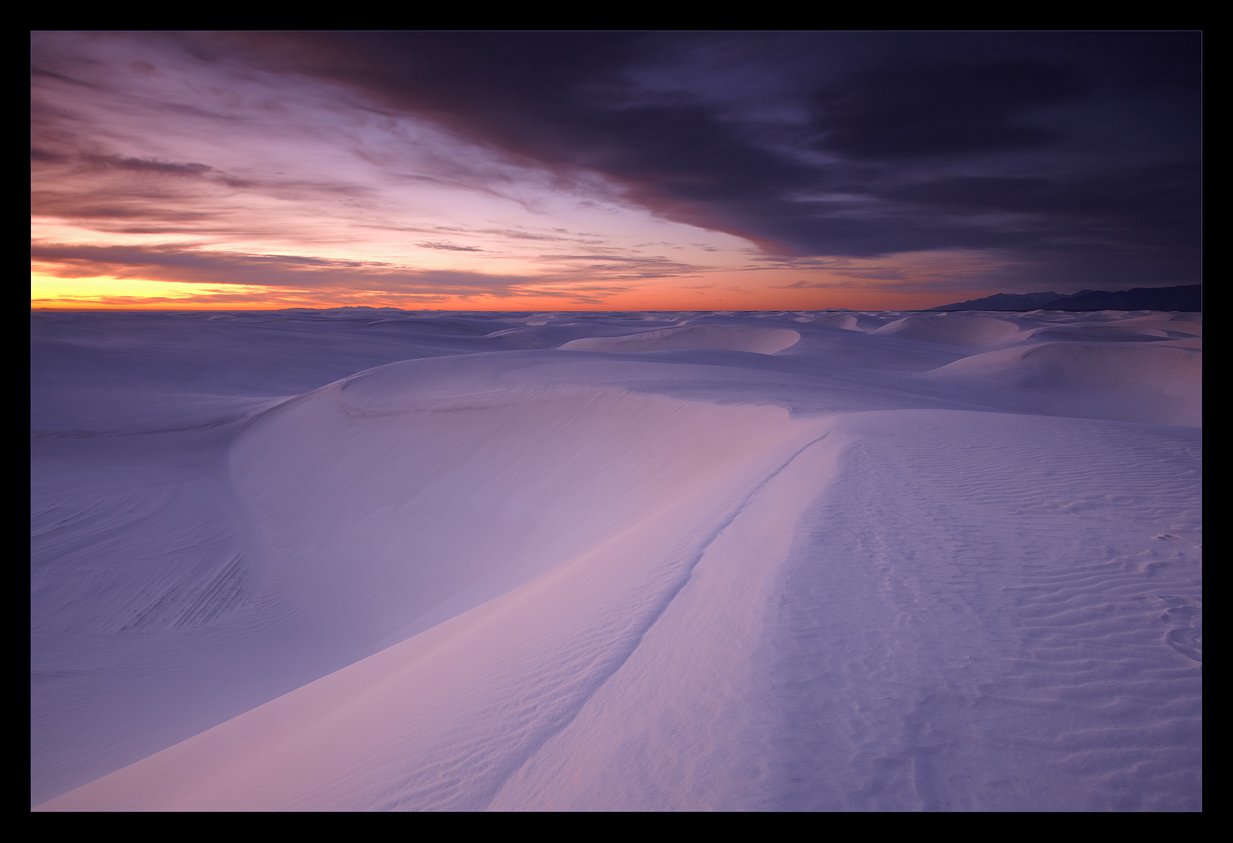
(1144, 382)
(961, 328)
(708, 337)
(415, 462)
(845, 321)
(464, 577)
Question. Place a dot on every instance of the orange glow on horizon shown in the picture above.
(108, 293)
(730, 291)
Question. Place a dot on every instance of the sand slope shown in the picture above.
(756, 339)
(950, 567)
(1152, 383)
(962, 328)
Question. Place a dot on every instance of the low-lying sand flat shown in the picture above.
(379, 560)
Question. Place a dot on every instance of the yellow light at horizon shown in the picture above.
(52, 291)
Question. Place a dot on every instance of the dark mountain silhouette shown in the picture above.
(1188, 298)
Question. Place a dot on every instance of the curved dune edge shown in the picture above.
(754, 339)
(967, 329)
(443, 491)
(508, 675)
(1155, 383)
(705, 656)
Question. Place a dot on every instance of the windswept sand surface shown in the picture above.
(373, 560)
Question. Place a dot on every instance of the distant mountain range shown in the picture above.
(1187, 298)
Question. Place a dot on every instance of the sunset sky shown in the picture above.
(598, 170)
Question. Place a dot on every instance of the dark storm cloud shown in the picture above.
(920, 110)
(1137, 189)
(1126, 208)
(902, 141)
(1074, 156)
(559, 100)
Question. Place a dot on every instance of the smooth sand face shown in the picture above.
(757, 339)
(650, 561)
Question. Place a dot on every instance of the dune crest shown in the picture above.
(756, 339)
(965, 329)
(1141, 382)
